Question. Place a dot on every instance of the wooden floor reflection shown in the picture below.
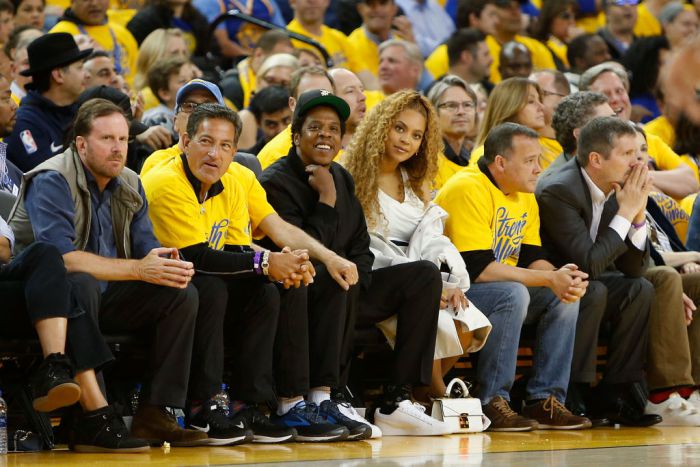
(467, 449)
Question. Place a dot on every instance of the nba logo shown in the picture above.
(28, 141)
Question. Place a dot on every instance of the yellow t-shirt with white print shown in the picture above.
(482, 217)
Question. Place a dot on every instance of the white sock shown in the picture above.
(319, 394)
(285, 404)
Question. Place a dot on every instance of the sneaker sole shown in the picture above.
(580, 426)
(271, 439)
(512, 430)
(97, 449)
(320, 439)
(388, 430)
(213, 442)
(62, 395)
(366, 434)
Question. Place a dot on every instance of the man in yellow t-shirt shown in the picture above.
(494, 222)
(671, 175)
(211, 208)
(89, 17)
(308, 20)
(379, 24)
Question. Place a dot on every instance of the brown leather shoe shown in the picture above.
(156, 423)
(503, 418)
(552, 415)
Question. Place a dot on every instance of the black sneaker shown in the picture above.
(221, 431)
(103, 430)
(304, 417)
(53, 385)
(332, 411)
(264, 431)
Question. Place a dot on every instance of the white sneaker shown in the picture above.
(695, 399)
(349, 411)
(409, 419)
(675, 411)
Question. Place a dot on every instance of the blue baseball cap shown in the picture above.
(198, 84)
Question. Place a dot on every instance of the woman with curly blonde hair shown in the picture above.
(378, 153)
(393, 160)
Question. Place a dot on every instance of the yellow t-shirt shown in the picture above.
(230, 218)
(159, 157)
(558, 48)
(551, 149)
(687, 205)
(246, 76)
(367, 50)
(662, 154)
(647, 24)
(673, 212)
(541, 56)
(482, 217)
(693, 163)
(662, 128)
(105, 35)
(336, 43)
(446, 169)
(438, 63)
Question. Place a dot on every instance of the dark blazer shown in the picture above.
(565, 215)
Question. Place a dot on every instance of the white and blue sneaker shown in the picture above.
(305, 418)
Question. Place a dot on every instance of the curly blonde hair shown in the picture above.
(368, 146)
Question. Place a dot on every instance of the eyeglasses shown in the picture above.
(453, 106)
(188, 107)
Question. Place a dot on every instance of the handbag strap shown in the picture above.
(459, 382)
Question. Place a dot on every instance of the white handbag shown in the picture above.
(464, 414)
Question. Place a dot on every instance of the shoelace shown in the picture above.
(504, 408)
(421, 413)
(551, 404)
(217, 417)
(312, 412)
(114, 424)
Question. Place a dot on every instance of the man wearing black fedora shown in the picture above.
(56, 68)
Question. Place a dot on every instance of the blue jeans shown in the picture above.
(508, 306)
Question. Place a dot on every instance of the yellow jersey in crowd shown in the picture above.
(336, 44)
(231, 217)
(482, 217)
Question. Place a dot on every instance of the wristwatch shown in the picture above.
(265, 263)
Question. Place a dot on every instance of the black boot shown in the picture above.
(624, 404)
(52, 384)
(577, 398)
(102, 430)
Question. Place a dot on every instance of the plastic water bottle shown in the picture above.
(223, 401)
(134, 402)
(3, 425)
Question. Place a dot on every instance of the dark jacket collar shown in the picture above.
(215, 189)
(484, 167)
(297, 165)
(461, 159)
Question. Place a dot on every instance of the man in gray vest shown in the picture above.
(93, 210)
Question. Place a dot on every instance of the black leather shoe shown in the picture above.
(625, 412)
(53, 385)
(576, 397)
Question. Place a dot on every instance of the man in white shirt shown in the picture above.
(593, 213)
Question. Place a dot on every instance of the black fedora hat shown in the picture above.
(53, 51)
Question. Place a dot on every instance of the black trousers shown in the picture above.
(412, 291)
(623, 304)
(169, 316)
(252, 308)
(35, 286)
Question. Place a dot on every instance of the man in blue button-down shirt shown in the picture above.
(93, 210)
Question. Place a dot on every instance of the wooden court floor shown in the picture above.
(471, 449)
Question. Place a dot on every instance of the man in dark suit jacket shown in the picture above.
(588, 219)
